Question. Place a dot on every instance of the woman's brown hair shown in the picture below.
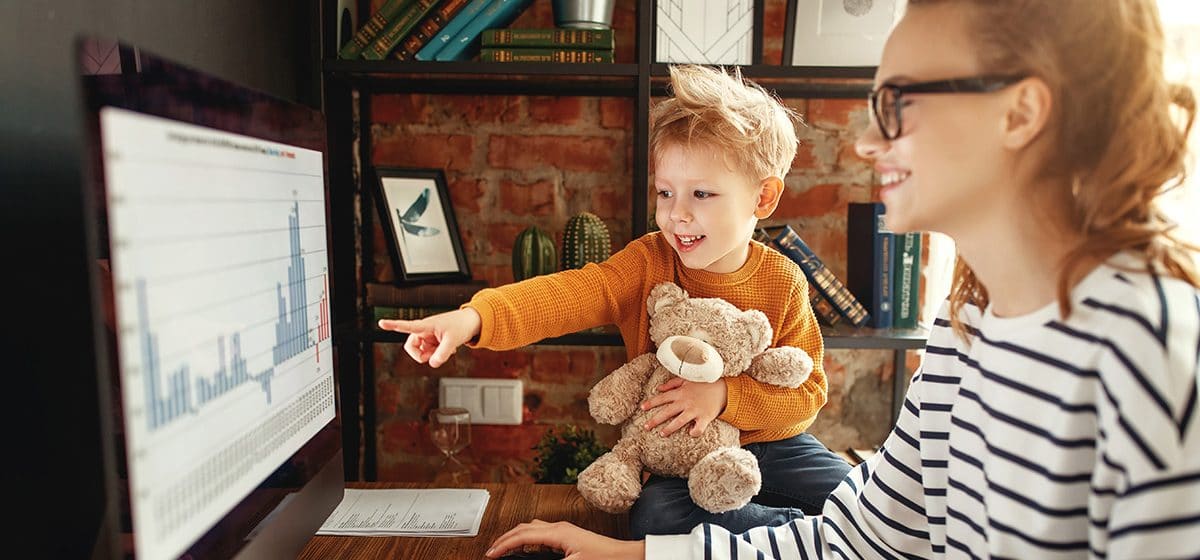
(1115, 144)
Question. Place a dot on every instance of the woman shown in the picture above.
(1054, 415)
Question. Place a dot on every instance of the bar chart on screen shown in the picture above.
(220, 279)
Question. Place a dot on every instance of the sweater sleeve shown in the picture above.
(551, 305)
(753, 405)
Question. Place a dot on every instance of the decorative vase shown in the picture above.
(583, 14)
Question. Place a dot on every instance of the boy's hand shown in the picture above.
(685, 401)
(434, 338)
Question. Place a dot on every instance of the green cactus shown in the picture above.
(585, 240)
(533, 254)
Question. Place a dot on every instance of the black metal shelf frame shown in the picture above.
(348, 86)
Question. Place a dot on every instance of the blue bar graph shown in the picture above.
(174, 396)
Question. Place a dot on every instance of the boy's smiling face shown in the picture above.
(706, 211)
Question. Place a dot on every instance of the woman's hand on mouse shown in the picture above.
(575, 543)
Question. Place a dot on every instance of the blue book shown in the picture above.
(785, 240)
(451, 29)
(498, 14)
(869, 260)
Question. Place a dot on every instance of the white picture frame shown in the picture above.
(704, 31)
(842, 33)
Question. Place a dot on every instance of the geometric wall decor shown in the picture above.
(705, 31)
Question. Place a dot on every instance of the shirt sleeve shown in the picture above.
(1148, 453)
(753, 405)
(525, 312)
(878, 511)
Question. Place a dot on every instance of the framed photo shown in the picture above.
(705, 31)
(419, 218)
(838, 33)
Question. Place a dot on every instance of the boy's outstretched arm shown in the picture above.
(435, 338)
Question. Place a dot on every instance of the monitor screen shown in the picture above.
(213, 269)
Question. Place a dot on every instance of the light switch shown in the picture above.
(490, 401)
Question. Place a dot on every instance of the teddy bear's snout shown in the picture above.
(691, 358)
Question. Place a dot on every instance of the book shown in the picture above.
(406, 313)
(600, 39)
(464, 45)
(826, 313)
(423, 295)
(789, 243)
(906, 271)
(428, 27)
(370, 30)
(582, 56)
(397, 29)
(443, 37)
(869, 260)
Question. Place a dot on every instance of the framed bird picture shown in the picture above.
(419, 217)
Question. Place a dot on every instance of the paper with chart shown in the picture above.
(432, 512)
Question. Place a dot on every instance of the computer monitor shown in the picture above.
(212, 282)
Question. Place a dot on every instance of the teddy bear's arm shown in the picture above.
(785, 366)
(615, 398)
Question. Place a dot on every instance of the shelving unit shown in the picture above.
(348, 86)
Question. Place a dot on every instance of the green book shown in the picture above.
(544, 55)
(601, 39)
(371, 29)
(398, 29)
(907, 283)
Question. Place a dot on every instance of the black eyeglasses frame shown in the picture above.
(975, 84)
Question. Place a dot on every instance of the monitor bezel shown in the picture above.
(283, 512)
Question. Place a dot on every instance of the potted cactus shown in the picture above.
(533, 254)
(585, 240)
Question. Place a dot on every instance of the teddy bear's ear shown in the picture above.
(758, 327)
(664, 294)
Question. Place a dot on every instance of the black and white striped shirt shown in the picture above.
(1040, 439)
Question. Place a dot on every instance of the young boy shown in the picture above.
(720, 149)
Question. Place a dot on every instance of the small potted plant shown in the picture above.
(563, 452)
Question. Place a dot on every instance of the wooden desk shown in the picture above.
(508, 505)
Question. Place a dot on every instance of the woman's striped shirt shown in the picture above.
(1039, 438)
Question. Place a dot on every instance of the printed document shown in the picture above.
(418, 512)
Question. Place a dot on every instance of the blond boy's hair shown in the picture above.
(741, 121)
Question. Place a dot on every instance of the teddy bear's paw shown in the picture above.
(725, 479)
(609, 484)
(785, 366)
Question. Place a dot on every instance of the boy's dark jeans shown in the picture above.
(797, 475)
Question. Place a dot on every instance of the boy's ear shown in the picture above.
(1028, 112)
(769, 192)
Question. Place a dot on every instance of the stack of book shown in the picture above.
(883, 269)
(419, 301)
(444, 30)
(834, 302)
(558, 44)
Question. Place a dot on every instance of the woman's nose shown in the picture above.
(870, 143)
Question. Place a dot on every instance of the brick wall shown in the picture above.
(515, 161)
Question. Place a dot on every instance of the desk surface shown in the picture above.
(508, 505)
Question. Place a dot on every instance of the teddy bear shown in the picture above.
(701, 340)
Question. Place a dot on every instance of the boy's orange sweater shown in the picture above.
(615, 292)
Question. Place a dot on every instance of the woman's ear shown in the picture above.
(1028, 112)
(769, 192)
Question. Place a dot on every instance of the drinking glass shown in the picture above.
(450, 431)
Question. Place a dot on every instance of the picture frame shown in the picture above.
(708, 31)
(845, 35)
(419, 218)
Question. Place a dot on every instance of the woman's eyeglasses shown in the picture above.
(887, 103)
